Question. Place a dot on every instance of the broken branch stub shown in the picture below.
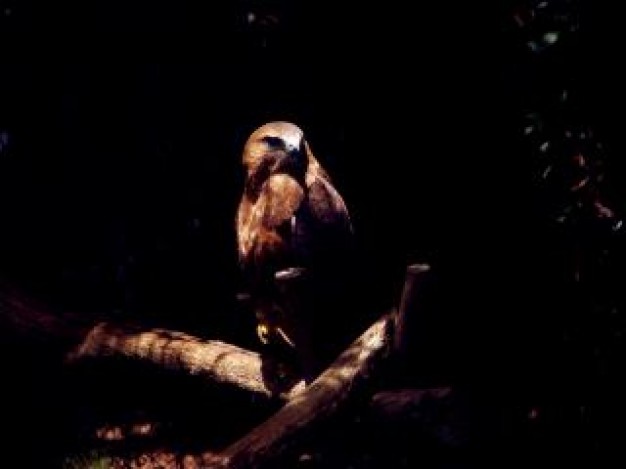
(408, 317)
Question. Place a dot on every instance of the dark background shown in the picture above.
(120, 176)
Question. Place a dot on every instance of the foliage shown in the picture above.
(93, 459)
(577, 205)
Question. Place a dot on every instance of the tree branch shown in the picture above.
(212, 360)
(330, 392)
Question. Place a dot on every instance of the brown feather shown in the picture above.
(290, 215)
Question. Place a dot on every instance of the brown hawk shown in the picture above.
(291, 216)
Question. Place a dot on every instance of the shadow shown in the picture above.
(281, 368)
(113, 411)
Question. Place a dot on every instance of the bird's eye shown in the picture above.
(273, 141)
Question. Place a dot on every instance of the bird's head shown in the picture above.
(277, 147)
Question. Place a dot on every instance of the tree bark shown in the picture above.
(329, 393)
(212, 360)
(218, 362)
(75, 338)
(408, 312)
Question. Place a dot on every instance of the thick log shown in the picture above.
(218, 362)
(75, 338)
(328, 394)
(212, 360)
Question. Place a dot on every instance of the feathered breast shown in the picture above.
(289, 224)
(264, 224)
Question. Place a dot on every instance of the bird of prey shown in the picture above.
(291, 219)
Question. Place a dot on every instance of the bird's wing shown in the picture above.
(327, 206)
(323, 231)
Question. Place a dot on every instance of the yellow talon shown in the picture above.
(263, 332)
